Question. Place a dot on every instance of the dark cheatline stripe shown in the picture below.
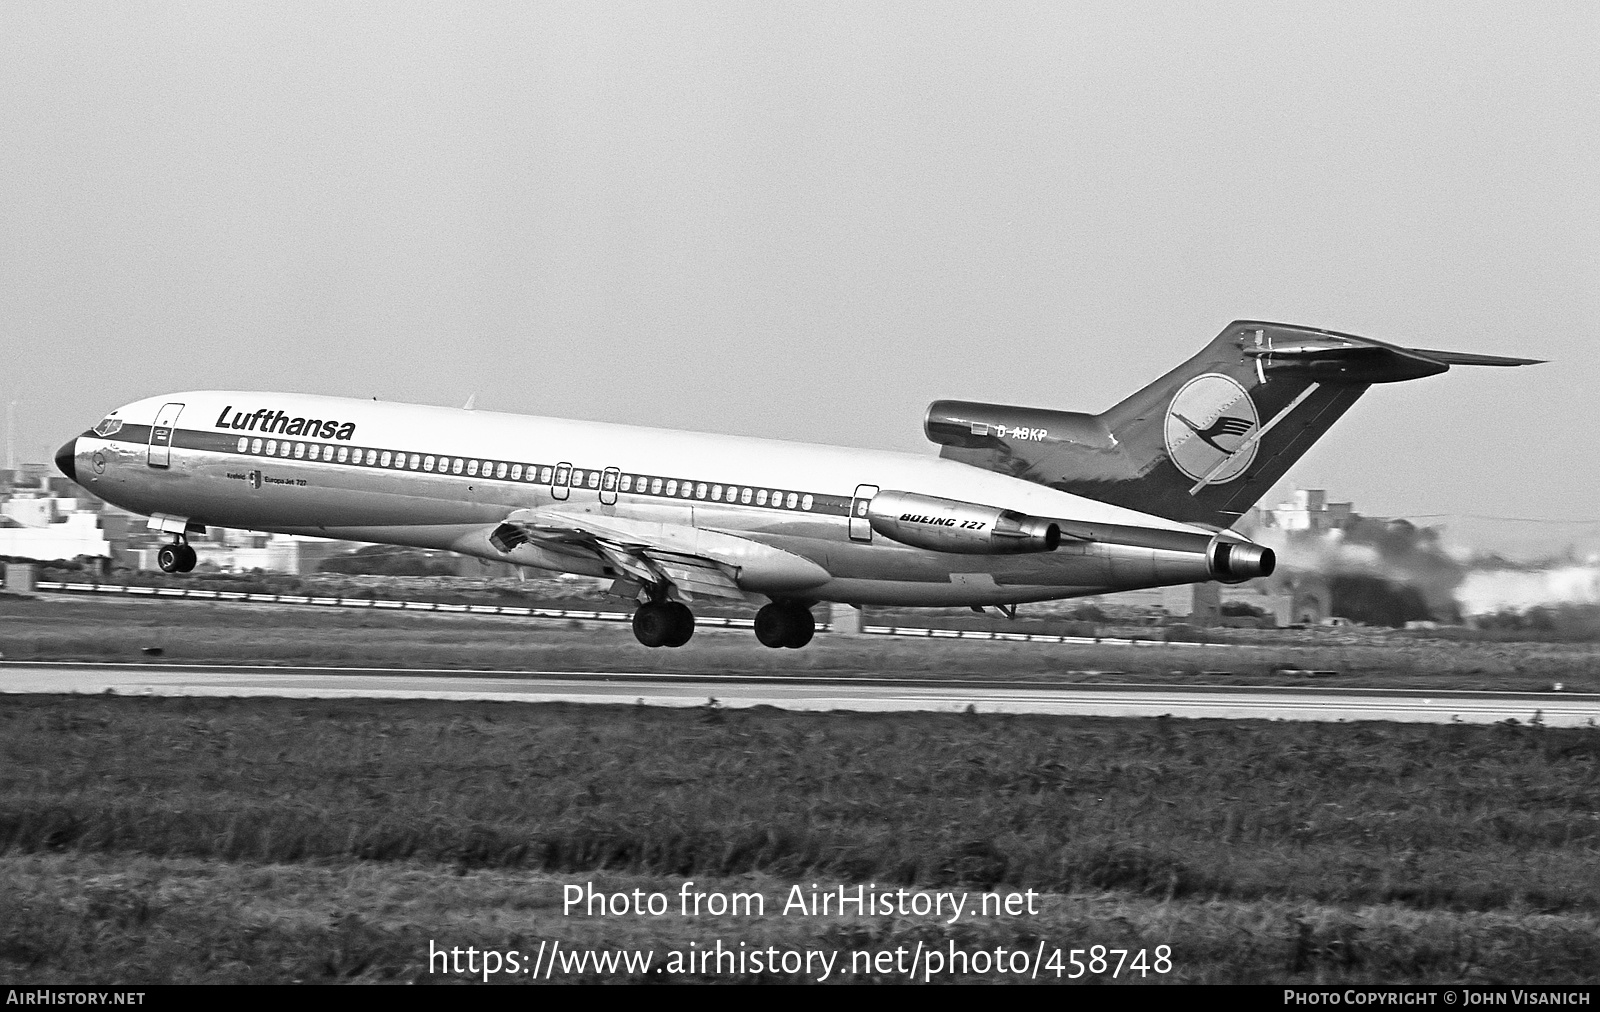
(139, 434)
(228, 443)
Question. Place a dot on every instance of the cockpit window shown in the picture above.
(110, 425)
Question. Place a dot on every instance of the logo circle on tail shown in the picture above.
(1210, 421)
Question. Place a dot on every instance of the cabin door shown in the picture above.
(160, 454)
(860, 526)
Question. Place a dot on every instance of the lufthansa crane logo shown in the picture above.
(1211, 421)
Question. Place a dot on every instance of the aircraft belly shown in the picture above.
(1071, 565)
(949, 595)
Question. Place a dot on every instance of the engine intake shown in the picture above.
(1234, 561)
(949, 525)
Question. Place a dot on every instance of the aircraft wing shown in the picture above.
(698, 563)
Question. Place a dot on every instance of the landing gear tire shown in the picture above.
(175, 558)
(663, 624)
(683, 625)
(785, 625)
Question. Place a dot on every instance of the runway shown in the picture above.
(814, 694)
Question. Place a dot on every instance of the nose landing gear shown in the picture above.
(663, 624)
(177, 557)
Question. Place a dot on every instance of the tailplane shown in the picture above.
(1204, 442)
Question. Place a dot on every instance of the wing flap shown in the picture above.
(696, 563)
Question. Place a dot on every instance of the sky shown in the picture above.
(808, 220)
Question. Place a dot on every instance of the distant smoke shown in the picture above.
(1405, 555)
(1396, 553)
(1488, 591)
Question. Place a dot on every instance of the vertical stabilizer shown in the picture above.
(1203, 443)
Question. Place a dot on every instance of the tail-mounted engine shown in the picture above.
(949, 525)
(1235, 561)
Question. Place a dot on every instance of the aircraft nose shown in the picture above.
(66, 458)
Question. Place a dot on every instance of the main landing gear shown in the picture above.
(177, 557)
(663, 624)
(785, 625)
(670, 624)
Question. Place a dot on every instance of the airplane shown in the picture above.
(1021, 504)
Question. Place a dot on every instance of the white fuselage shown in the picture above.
(445, 478)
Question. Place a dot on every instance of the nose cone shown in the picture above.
(66, 458)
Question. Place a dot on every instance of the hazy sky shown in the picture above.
(808, 220)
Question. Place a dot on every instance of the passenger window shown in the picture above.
(500, 469)
(744, 495)
(655, 486)
(544, 475)
(716, 493)
(609, 481)
(283, 448)
(372, 457)
(791, 500)
(383, 461)
(272, 447)
(457, 465)
(427, 463)
(700, 490)
(627, 482)
(300, 450)
(244, 443)
(805, 503)
(594, 479)
(414, 461)
(563, 472)
(472, 468)
(344, 454)
(672, 488)
(761, 497)
(255, 446)
(516, 472)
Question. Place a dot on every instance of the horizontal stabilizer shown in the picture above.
(1468, 358)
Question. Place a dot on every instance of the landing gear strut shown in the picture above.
(663, 624)
(177, 557)
(785, 625)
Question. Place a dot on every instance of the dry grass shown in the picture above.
(147, 839)
(86, 918)
(1459, 817)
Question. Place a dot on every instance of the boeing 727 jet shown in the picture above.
(1022, 504)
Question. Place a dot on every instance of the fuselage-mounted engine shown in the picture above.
(1234, 560)
(949, 525)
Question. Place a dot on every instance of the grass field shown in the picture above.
(151, 840)
(67, 628)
